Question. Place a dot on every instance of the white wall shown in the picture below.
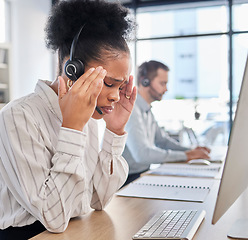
(30, 58)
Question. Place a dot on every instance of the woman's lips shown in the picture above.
(107, 110)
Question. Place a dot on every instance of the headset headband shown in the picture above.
(74, 43)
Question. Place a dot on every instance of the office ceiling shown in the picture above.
(153, 1)
(147, 3)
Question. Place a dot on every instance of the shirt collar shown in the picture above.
(47, 94)
(143, 105)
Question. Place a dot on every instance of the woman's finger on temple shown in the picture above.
(83, 78)
(129, 87)
(92, 77)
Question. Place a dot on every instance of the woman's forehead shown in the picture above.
(118, 69)
(122, 80)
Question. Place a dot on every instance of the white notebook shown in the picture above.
(177, 169)
(171, 188)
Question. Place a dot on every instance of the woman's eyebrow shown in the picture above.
(117, 80)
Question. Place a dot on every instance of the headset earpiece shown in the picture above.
(74, 69)
(145, 82)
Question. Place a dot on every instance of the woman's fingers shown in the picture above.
(133, 95)
(94, 90)
(95, 79)
(89, 85)
(93, 86)
(82, 79)
(62, 88)
(131, 91)
(129, 87)
(93, 76)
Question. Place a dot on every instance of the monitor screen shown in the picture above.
(235, 173)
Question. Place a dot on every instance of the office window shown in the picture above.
(182, 22)
(240, 51)
(194, 41)
(198, 66)
(240, 16)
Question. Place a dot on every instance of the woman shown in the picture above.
(51, 168)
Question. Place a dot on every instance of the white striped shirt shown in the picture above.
(50, 173)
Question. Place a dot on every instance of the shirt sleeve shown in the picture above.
(111, 170)
(164, 141)
(164, 149)
(49, 189)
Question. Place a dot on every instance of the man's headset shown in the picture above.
(74, 67)
(145, 81)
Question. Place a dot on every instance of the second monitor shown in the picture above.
(235, 174)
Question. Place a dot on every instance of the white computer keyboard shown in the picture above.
(172, 224)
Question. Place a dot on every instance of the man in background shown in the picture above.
(147, 143)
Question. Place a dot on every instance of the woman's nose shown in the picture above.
(114, 96)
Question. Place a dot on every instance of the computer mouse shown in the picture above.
(199, 162)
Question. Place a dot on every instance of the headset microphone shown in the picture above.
(74, 67)
(99, 110)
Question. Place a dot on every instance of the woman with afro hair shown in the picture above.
(51, 166)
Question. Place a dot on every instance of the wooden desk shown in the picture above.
(124, 216)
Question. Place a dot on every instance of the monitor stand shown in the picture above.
(239, 230)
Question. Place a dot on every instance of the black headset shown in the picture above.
(74, 68)
(145, 81)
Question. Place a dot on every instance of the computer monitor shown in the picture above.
(235, 172)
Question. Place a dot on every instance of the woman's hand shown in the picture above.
(117, 120)
(78, 103)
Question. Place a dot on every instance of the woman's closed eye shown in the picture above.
(111, 85)
(108, 85)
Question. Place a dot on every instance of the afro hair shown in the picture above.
(104, 20)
